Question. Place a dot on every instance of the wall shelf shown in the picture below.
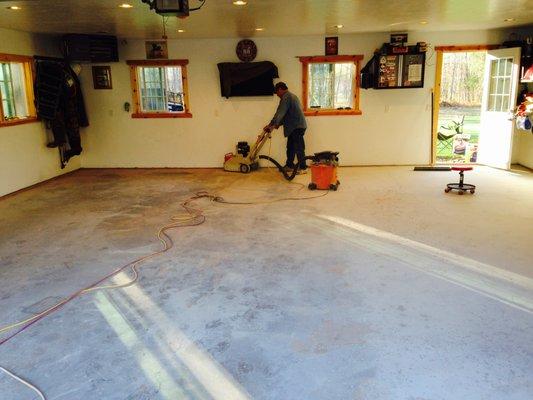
(395, 68)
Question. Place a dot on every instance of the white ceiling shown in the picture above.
(220, 18)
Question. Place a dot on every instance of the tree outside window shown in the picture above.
(16, 90)
(331, 85)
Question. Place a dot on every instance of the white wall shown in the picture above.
(524, 151)
(395, 127)
(24, 157)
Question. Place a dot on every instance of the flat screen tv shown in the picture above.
(247, 79)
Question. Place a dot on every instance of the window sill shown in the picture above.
(19, 121)
(162, 115)
(318, 113)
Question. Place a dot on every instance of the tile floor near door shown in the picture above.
(386, 289)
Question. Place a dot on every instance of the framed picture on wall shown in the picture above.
(332, 46)
(102, 77)
(156, 49)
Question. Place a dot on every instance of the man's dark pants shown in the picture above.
(296, 147)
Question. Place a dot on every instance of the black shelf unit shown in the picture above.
(395, 68)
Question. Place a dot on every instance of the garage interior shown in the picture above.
(141, 269)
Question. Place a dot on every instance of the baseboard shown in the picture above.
(5, 196)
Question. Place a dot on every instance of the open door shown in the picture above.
(499, 96)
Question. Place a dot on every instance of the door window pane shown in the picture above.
(500, 85)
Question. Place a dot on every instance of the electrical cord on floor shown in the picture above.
(194, 217)
(221, 200)
(25, 383)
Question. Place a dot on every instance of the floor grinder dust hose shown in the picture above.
(286, 175)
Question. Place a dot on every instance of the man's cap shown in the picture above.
(280, 85)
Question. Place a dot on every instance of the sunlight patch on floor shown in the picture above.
(505, 286)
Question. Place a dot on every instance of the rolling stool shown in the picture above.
(461, 187)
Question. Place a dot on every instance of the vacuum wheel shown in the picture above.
(312, 186)
(245, 168)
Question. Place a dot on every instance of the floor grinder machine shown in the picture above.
(323, 168)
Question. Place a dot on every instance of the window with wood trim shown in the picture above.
(331, 85)
(160, 88)
(16, 90)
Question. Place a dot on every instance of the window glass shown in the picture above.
(331, 85)
(500, 85)
(161, 89)
(13, 90)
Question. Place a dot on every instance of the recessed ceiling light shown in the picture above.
(240, 2)
(423, 22)
(181, 30)
(338, 26)
(508, 20)
(126, 5)
(14, 8)
(259, 29)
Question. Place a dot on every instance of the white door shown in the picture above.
(499, 97)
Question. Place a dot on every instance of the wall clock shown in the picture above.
(246, 50)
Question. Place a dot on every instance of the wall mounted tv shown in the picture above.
(247, 79)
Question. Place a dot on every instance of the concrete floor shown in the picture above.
(386, 289)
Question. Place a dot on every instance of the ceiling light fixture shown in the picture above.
(240, 2)
(509, 20)
(14, 8)
(338, 26)
(259, 29)
(181, 30)
(423, 22)
(126, 5)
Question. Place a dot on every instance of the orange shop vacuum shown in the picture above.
(324, 171)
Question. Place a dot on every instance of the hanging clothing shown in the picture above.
(59, 101)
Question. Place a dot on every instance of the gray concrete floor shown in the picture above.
(386, 289)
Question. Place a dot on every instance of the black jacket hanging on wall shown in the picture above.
(59, 101)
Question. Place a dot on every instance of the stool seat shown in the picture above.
(461, 168)
(461, 187)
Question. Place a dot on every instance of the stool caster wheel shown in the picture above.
(472, 191)
(333, 187)
(447, 190)
(461, 192)
(312, 186)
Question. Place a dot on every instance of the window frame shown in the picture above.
(138, 112)
(356, 59)
(27, 64)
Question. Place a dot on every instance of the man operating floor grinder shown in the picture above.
(289, 114)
